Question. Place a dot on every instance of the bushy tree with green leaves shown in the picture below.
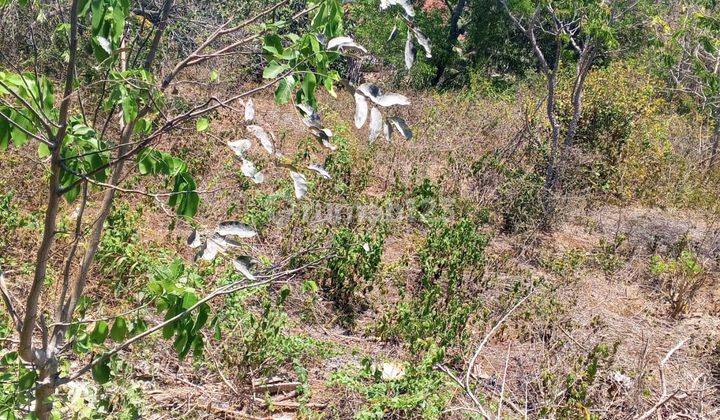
(103, 119)
(691, 56)
(563, 34)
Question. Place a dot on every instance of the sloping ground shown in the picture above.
(588, 294)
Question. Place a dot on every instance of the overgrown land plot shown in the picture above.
(372, 209)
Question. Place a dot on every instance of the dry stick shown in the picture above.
(482, 344)
(502, 387)
(665, 397)
(7, 298)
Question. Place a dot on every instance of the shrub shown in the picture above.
(416, 390)
(680, 279)
(452, 263)
(620, 108)
(351, 269)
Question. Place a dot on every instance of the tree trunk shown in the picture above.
(715, 139)
(452, 38)
(551, 169)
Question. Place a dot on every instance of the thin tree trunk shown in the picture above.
(25, 348)
(452, 37)
(48, 366)
(583, 68)
(715, 139)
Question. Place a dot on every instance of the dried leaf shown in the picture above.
(344, 43)
(423, 41)
(361, 110)
(376, 123)
(249, 110)
(401, 126)
(328, 145)
(387, 130)
(391, 99)
(243, 264)
(240, 146)
(310, 117)
(409, 51)
(263, 136)
(300, 184)
(320, 170)
(194, 240)
(391, 371)
(249, 170)
(373, 92)
(234, 228)
(405, 4)
(393, 33)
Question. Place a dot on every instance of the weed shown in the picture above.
(607, 255)
(121, 255)
(414, 390)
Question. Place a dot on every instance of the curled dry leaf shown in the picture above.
(401, 127)
(405, 4)
(243, 265)
(300, 184)
(249, 110)
(387, 130)
(263, 137)
(423, 41)
(361, 110)
(373, 92)
(310, 117)
(320, 170)
(391, 372)
(344, 43)
(376, 123)
(235, 228)
(328, 145)
(391, 99)
(409, 51)
(393, 33)
(194, 240)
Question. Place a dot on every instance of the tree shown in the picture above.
(561, 32)
(114, 46)
(692, 59)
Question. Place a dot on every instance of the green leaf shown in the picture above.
(189, 299)
(284, 90)
(274, 69)
(101, 370)
(308, 88)
(187, 201)
(198, 345)
(273, 44)
(119, 330)
(100, 332)
(27, 380)
(202, 124)
(202, 317)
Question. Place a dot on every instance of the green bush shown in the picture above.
(437, 310)
(416, 390)
(351, 270)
